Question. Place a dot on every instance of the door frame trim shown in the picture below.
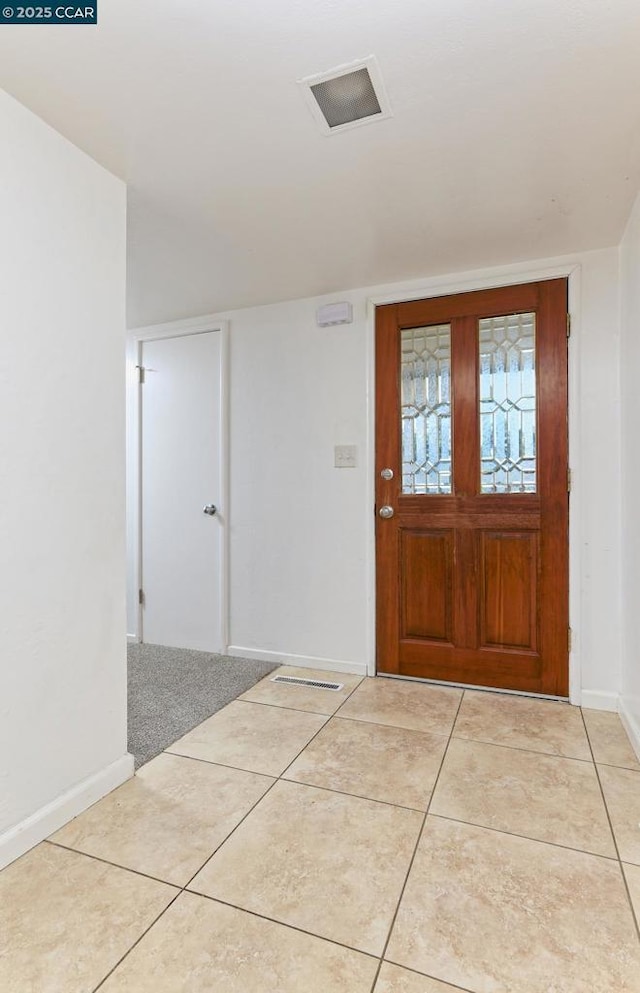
(135, 340)
(509, 275)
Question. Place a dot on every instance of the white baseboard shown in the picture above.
(631, 725)
(34, 829)
(301, 661)
(599, 700)
(132, 639)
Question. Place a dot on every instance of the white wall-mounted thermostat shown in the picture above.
(334, 313)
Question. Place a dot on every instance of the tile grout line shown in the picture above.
(347, 718)
(613, 834)
(610, 765)
(328, 718)
(137, 872)
(620, 726)
(525, 837)
(184, 889)
(296, 757)
(278, 706)
(219, 765)
(423, 975)
(136, 942)
(452, 737)
(344, 701)
(401, 806)
(416, 846)
(238, 768)
(283, 924)
(361, 720)
(396, 727)
(354, 796)
(281, 706)
(114, 865)
(458, 737)
(521, 748)
(402, 727)
(280, 777)
(276, 779)
(181, 889)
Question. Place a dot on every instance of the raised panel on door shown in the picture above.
(426, 565)
(509, 590)
(471, 442)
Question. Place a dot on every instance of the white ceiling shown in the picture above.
(516, 134)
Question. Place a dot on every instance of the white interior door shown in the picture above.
(180, 474)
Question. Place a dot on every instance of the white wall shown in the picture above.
(301, 551)
(630, 381)
(62, 597)
(299, 526)
(594, 410)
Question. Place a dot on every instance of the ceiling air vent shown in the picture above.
(347, 96)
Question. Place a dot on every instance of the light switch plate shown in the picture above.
(345, 456)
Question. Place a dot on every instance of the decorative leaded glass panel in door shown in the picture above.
(426, 409)
(508, 404)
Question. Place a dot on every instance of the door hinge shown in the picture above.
(141, 371)
(570, 639)
(568, 325)
(568, 480)
(141, 597)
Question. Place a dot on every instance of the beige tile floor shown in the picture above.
(394, 837)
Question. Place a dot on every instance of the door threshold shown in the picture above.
(472, 686)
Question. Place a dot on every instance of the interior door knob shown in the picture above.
(386, 511)
(210, 509)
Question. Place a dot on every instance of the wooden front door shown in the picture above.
(471, 488)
